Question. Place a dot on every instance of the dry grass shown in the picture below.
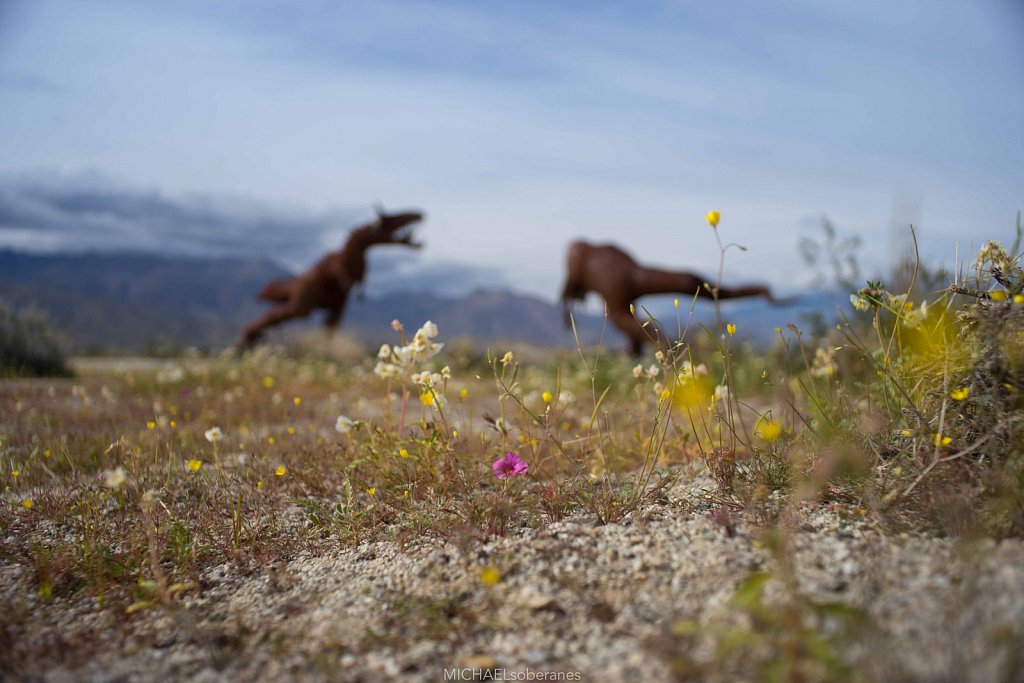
(115, 488)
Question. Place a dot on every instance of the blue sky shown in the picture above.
(270, 127)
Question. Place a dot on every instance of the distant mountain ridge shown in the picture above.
(130, 302)
(138, 302)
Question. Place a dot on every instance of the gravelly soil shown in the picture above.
(644, 599)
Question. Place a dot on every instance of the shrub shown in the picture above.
(30, 345)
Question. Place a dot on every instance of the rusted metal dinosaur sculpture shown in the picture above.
(328, 283)
(620, 280)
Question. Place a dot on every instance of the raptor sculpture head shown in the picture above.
(395, 228)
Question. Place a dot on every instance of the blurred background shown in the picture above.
(160, 161)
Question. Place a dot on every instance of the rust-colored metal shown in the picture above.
(620, 280)
(328, 283)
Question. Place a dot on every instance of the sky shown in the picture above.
(270, 128)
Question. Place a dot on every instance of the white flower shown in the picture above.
(385, 352)
(824, 363)
(653, 371)
(659, 356)
(507, 358)
(897, 301)
(995, 253)
(426, 378)
(213, 435)
(344, 424)
(690, 371)
(116, 478)
(638, 371)
(386, 370)
(170, 375)
(721, 392)
(403, 355)
(914, 317)
(859, 302)
(428, 329)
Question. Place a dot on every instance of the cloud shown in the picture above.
(52, 211)
(88, 211)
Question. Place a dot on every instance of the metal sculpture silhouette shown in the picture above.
(328, 283)
(620, 280)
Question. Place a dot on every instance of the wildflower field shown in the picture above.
(846, 505)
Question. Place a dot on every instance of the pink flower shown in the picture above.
(510, 465)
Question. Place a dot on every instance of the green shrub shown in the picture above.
(30, 345)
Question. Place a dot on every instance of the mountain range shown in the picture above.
(142, 302)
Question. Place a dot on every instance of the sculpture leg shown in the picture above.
(275, 316)
(567, 297)
(334, 313)
(630, 326)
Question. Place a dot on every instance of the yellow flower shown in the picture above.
(27, 503)
(997, 295)
(372, 490)
(731, 329)
(195, 465)
(427, 398)
(268, 381)
(455, 433)
(297, 400)
(406, 493)
(270, 440)
(666, 394)
(675, 302)
(490, 576)
(941, 440)
(259, 485)
(15, 473)
(47, 453)
(150, 425)
(769, 430)
(906, 433)
(713, 217)
(546, 396)
(960, 394)
(404, 453)
(464, 393)
(1018, 298)
(291, 430)
(281, 471)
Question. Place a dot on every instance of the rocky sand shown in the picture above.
(649, 598)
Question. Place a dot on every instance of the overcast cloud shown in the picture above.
(87, 212)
